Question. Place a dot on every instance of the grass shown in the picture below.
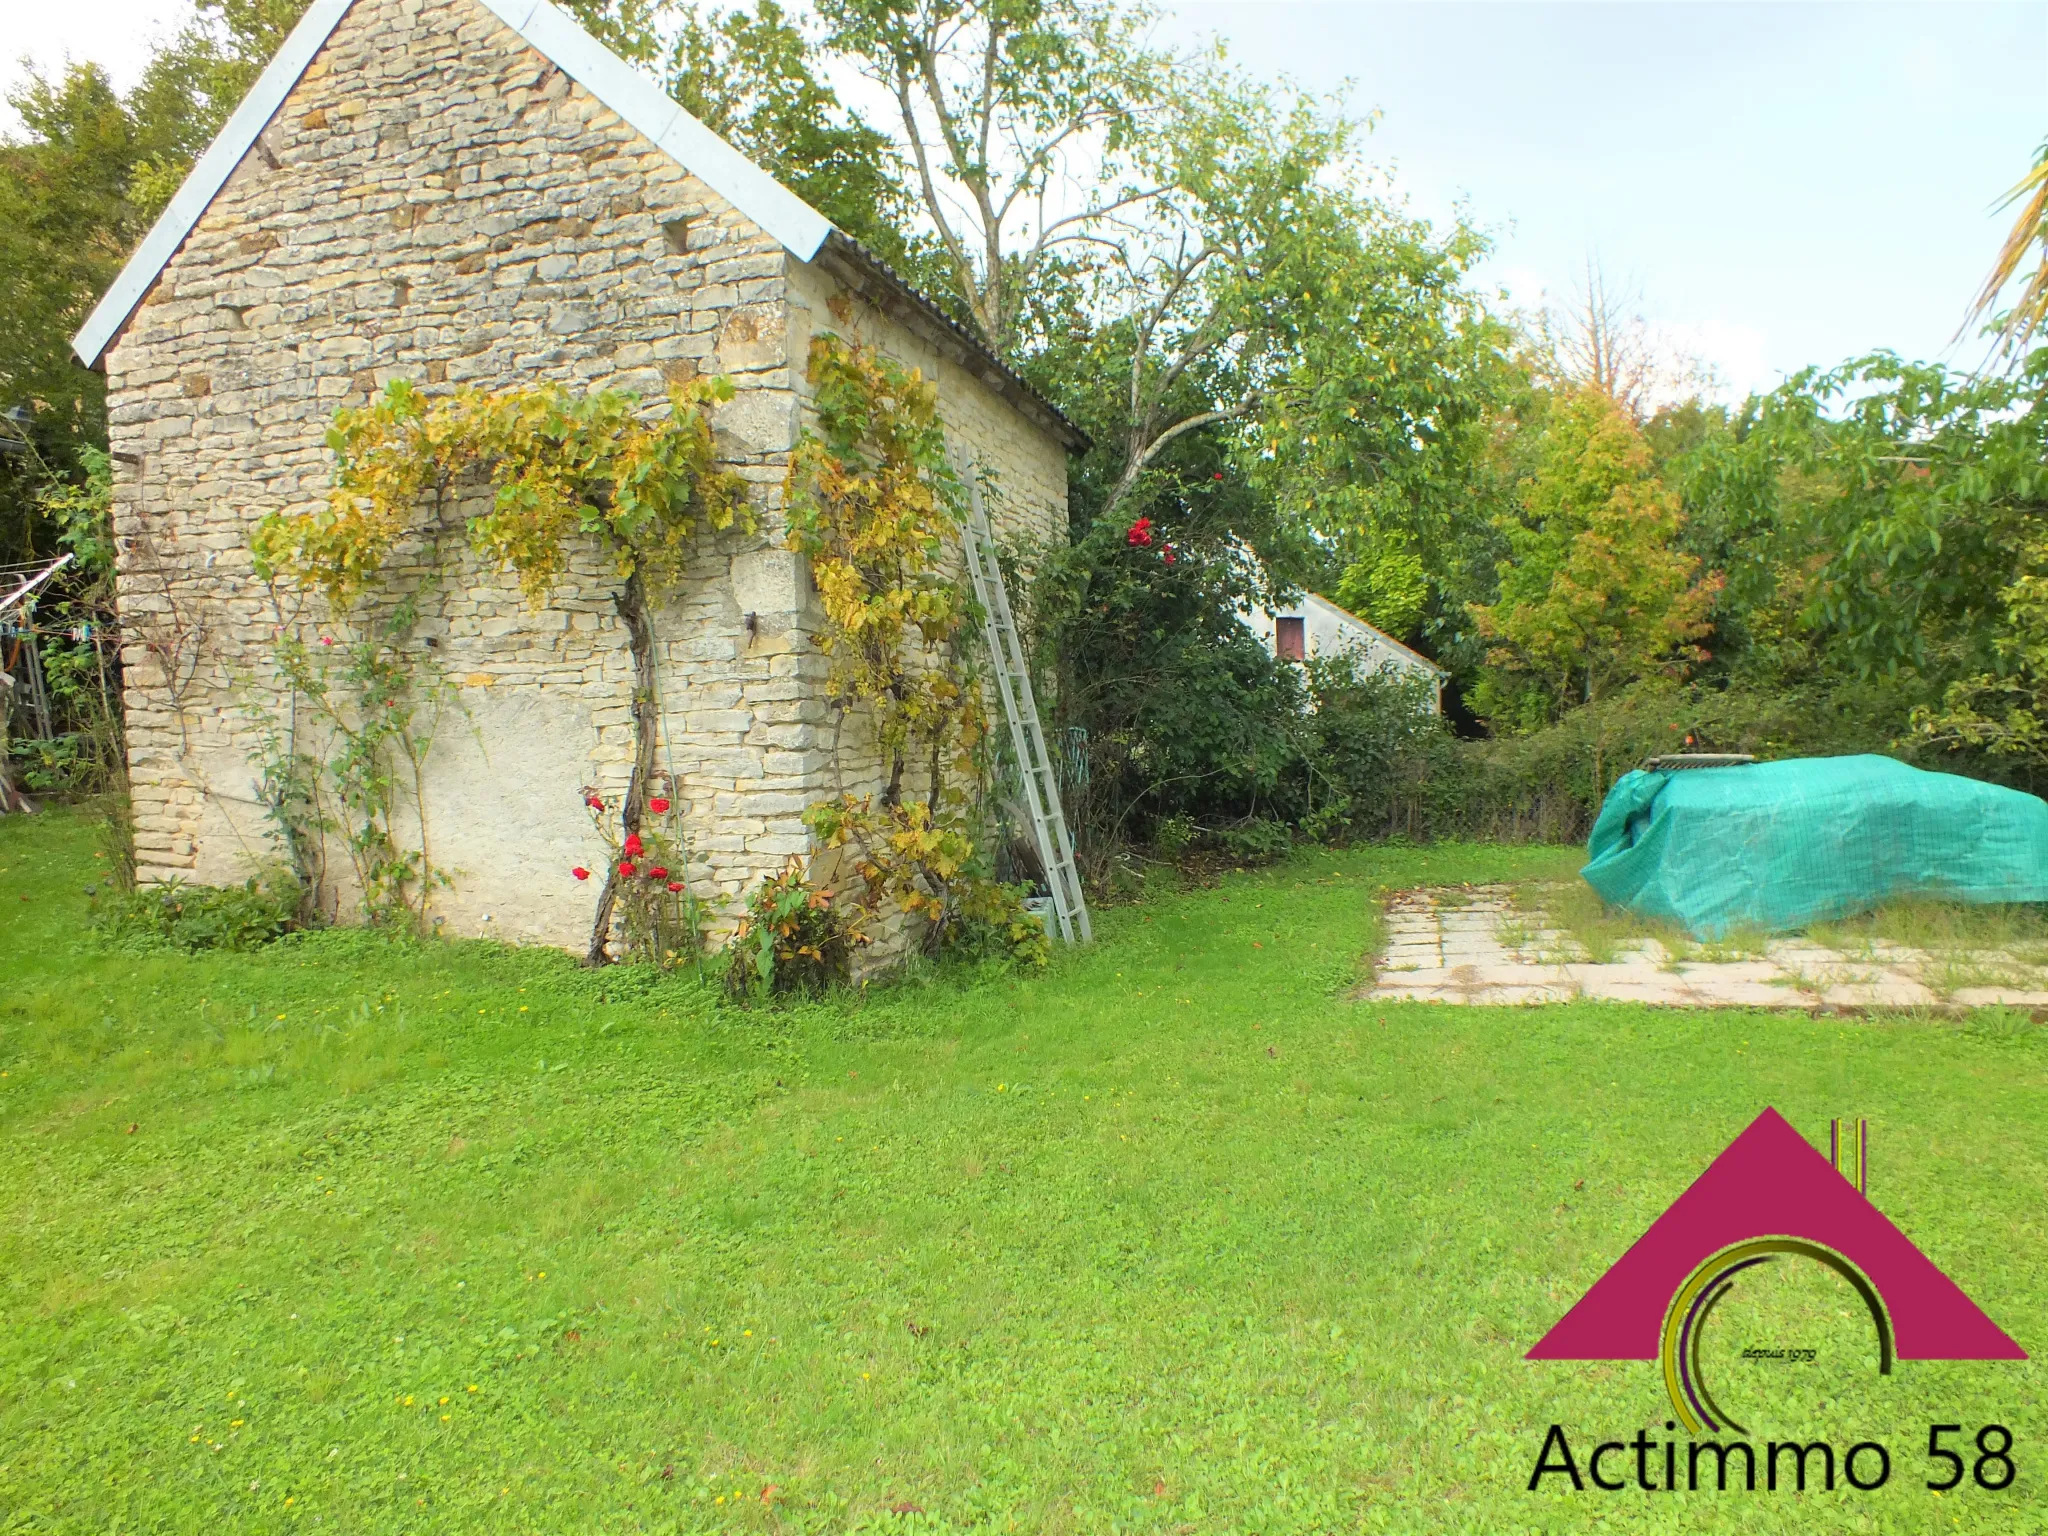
(1968, 945)
(1174, 1238)
(2019, 930)
(1592, 932)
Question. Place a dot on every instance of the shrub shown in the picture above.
(1547, 785)
(990, 922)
(1368, 745)
(1257, 841)
(646, 875)
(794, 940)
(1183, 711)
(193, 917)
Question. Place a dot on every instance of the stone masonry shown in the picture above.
(436, 201)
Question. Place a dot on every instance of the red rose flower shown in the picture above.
(626, 867)
(658, 805)
(1168, 554)
(580, 872)
(594, 803)
(658, 872)
(634, 847)
(1140, 534)
(1217, 476)
(674, 887)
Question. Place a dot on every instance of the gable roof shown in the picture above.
(1378, 634)
(798, 227)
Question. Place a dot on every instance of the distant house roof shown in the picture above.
(801, 229)
(1379, 634)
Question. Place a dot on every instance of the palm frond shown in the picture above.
(2029, 231)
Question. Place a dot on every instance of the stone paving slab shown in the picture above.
(1454, 947)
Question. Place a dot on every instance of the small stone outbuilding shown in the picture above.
(476, 191)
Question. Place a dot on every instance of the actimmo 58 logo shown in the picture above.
(1767, 1198)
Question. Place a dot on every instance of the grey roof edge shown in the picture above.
(1437, 667)
(644, 106)
(208, 175)
(800, 228)
(945, 329)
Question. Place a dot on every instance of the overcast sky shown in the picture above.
(1786, 184)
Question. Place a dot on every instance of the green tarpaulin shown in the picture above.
(1778, 845)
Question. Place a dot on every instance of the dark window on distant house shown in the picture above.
(1290, 642)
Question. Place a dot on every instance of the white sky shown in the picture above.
(1787, 184)
(116, 34)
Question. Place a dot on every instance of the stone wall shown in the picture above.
(435, 201)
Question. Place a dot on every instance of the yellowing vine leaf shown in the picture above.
(560, 466)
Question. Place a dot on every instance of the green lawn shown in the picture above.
(1174, 1238)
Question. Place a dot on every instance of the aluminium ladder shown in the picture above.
(1013, 680)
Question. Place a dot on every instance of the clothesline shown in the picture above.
(78, 632)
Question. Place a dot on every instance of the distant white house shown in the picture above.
(1315, 626)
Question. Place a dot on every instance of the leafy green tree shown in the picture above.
(1594, 593)
(1016, 118)
(755, 77)
(78, 190)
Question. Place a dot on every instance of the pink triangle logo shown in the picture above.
(1768, 1195)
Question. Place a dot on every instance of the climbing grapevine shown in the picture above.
(876, 507)
(561, 467)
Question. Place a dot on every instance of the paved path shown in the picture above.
(1473, 946)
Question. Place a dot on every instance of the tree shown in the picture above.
(1273, 322)
(1015, 116)
(77, 192)
(1595, 592)
(754, 77)
(1603, 341)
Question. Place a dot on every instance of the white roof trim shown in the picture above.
(208, 175)
(555, 36)
(1376, 632)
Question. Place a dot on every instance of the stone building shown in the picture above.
(476, 191)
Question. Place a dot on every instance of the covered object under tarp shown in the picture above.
(1779, 845)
